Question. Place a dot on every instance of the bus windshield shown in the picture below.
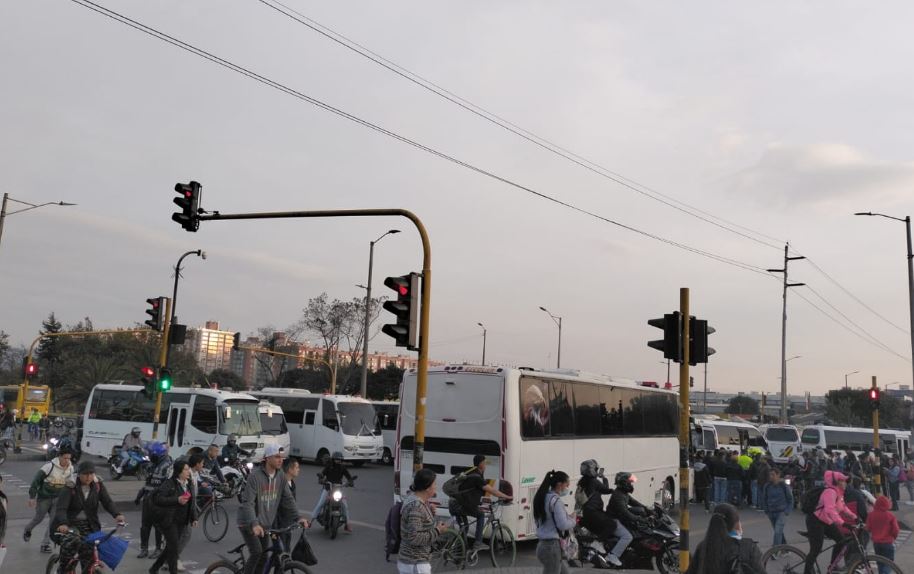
(810, 436)
(273, 425)
(37, 395)
(357, 416)
(782, 434)
(240, 418)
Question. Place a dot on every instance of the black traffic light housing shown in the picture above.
(236, 342)
(699, 351)
(164, 381)
(671, 344)
(874, 397)
(156, 313)
(149, 381)
(29, 370)
(406, 309)
(189, 202)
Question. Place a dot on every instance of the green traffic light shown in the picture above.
(164, 380)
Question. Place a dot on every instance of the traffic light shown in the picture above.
(29, 369)
(671, 344)
(405, 308)
(189, 202)
(149, 381)
(156, 313)
(164, 380)
(236, 342)
(874, 398)
(699, 351)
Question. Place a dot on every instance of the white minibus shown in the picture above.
(856, 440)
(273, 422)
(387, 422)
(783, 441)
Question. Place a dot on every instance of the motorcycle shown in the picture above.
(657, 543)
(236, 473)
(331, 516)
(138, 464)
(57, 442)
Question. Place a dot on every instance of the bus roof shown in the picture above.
(857, 429)
(218, 394)
(282, 391)
(723, 423)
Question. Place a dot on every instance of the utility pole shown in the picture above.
(483, 343)
(787, 259)
(704, 399)
(877, 475)
(174, 294)
(684, 417)
(367, 325)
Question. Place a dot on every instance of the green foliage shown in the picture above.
(226, 379)
(852, 407)
(742, 405)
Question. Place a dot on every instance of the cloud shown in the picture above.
(827, 176)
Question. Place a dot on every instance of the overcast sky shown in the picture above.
(784, 119)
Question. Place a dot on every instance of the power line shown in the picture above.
(515, 129)
(365, 123)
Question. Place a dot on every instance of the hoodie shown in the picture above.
(831, 508)
(881, 523)
(263, 497)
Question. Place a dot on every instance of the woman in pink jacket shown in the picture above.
(830, 513)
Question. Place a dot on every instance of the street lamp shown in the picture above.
(558, 321)
(907, 223)
(174, 294)
(845, 378)
(7, 198)
(483, 343)
(794, 357)
(368, 310)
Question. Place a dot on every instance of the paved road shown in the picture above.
(361, 551)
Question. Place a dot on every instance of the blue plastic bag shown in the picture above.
(111, 551)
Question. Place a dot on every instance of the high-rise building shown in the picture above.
(211, 347)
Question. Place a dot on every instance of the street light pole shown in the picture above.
(845, 378)
(7, 198)
(483, 343)
(907, 223)
(557, 321)
(787, 259)
(174, 293)
(365, 327)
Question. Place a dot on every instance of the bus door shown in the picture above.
(177, 422)
(903, 446)
(309, 429)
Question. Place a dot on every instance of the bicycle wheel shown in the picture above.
(295, 567)
(222, 567)
(871, 564)
(502, 547)
(52, 564)
(784, 559)
(449, 552)
(215, 523)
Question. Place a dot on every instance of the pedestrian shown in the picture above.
(161, 471)
(760, 481)
(734, 481)
(719, 474)
(265, 492)
(195, 462)
(4, 504)
(418, 528)
(777, 499)
(745, 463)
(853, 466)
(552, 521)
(49, 482)
(909, 481)
(175, 510)
(291, 469)
(724, 548)
(830, 513)
(702, 482)
(43, 425)
(894, 477)
(883, 527)
(33, 420)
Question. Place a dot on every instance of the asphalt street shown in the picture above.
(361, 551)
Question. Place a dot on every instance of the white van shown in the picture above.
(783, 442)
(275, 430)
(711, 434)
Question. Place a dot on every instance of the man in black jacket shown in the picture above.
(621, 503)
(77, 507)
(592, 486)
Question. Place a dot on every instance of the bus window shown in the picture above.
(240, 418)
(587, 410)
(810, 436)
(274, 425)
(709, 439)
(329, 412)
(611, 410)
(632, 412)
(535, 421)
(204, 415)
(727, 436)
(357, 417)
(560, 412)
(309, 418)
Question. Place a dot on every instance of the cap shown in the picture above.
(272, 449)
(85, 467)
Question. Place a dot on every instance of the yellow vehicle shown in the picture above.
(39, 397)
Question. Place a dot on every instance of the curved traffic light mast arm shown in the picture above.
(422, 375)
(298, 358)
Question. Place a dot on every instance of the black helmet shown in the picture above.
(337, 457)
(589, 468)
(625, 481)
(232, 439)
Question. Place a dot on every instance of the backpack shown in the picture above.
(454, 485)
(810, 502)
(392, 531)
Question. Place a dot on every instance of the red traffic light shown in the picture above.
(148, 372)
(31, 369)
(403, 290)
(874, 394)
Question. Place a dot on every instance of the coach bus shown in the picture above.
(320, 425)
(38, 397)
(856, 440)
(527, 422)
(387, 422)
(189, 418)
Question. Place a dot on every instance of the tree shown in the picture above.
(4, 345)
(385, 383)
(311, 379)
(49, 347)
(852, 407)
(742, 405)
(226, 379)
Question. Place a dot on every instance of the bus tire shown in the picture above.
(323, 457)
(387, 457)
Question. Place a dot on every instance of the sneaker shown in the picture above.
(155, 554)
(46, 548)
(26, 535)
(480, 546)
(613, 559)
(143, 553)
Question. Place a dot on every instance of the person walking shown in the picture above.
(734, 481)
(760, 481)
(894, 477)
(175, 510)
(909, 481)
(33, 420)
(49, 482)
(724, 548)
(162, 467)
(418, 528)
(883, 527)
(703, 482)
(719, 474)
(552, 521)
(777, 500)
(291, 468)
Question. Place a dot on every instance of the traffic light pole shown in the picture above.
(422, 374)
(684, 433)
(877, 474)
(163, 359)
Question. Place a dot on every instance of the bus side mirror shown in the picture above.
(228, 412)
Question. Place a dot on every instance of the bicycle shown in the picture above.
(214, 516)
(276, 559)
(452, 548)
(73, 536)
(787, 559)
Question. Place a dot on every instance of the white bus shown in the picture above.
(783, 441)
(856, 440)
(189, 418)
(712, 433)
(527, 422)
(319, 425)
(273, 423)
(387, 422)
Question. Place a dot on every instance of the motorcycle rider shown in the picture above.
(333, 473)
(132, 442)
(161, 470)
(212, 471)
(231, 451)
(590, 489)
(621, 504)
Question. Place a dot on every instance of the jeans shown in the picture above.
(625, 538)
(734, 492)
(549, 553)
(753, 487)
(895, 494)
(43, 507)
(172, 533)
(818, 530)
(463, 520)
(257, 547)
(778, 519)
(320, 505)
(887, 550)
(720, 490)
(146, 524)
(420, 568)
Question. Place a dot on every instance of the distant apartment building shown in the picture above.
(210, 347)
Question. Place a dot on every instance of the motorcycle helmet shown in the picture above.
(232, 439)
(157, 450)
(135, 431)
(589, 468)
(58, 422)
(625, 482)
(337, 457)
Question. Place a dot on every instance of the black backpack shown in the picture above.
(810, 502)
(392, 531)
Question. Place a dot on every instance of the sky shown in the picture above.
(776, 121)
